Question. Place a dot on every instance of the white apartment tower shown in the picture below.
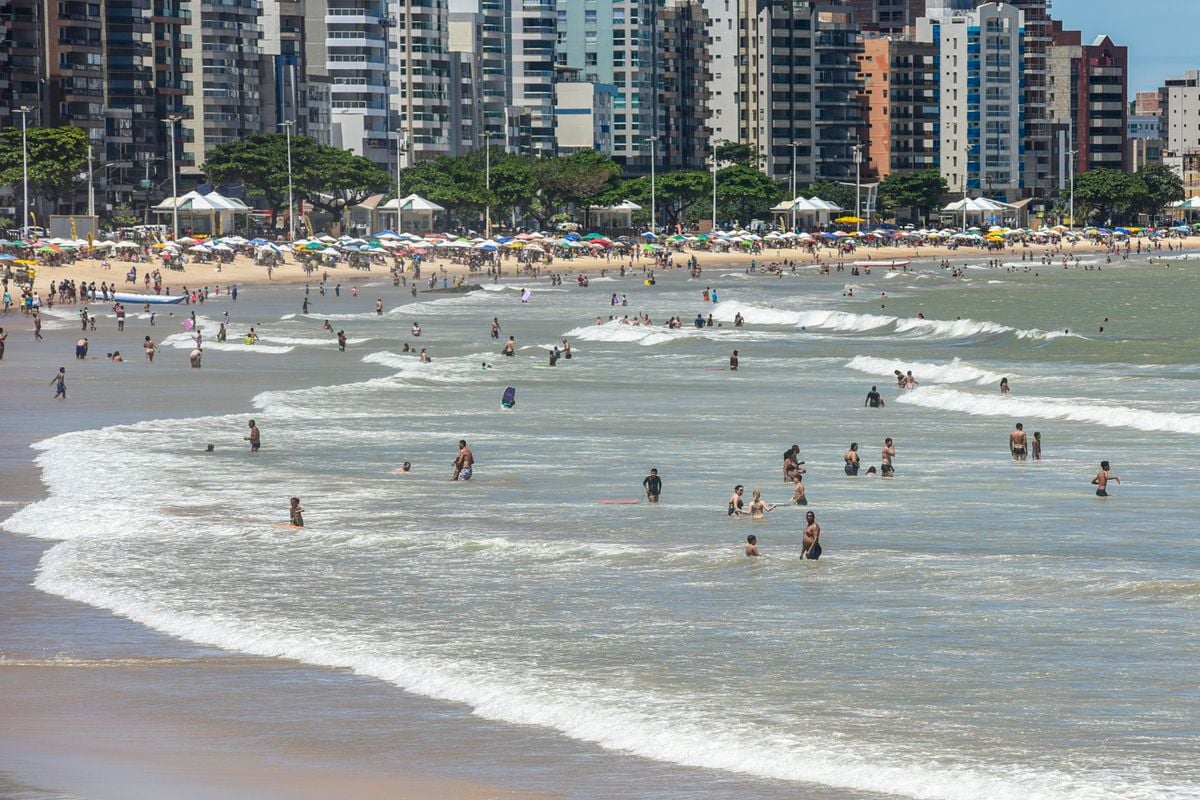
(981, 118)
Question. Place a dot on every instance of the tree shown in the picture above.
(921, 190)
(744, 192)
(56, 157)
(1108, 193)
(334, 179)
(833, 192)
(674, 193)
(1163, 186)
(574, 178)
(739, 154)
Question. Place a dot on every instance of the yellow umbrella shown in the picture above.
(849, 220)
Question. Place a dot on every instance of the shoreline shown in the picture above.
(243, 272)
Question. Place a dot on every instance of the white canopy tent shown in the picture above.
(415, 211)
(816, 208)
(204, 213)
(618, 216)
(982, 206)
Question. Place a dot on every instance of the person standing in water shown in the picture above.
(760, 507)
(873, 399)
(752, 546)
(653, 486)
(60, 390)
(812, 538)
(851, 458)
(735, 501)
(296, 513)
(798, 496)
(1037, 445)
(1102, 478)
(886, 469)
(733, 361)
(1004, 385)
(254, 437)
(1016, 443)
(464, 465)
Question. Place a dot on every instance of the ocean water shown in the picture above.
(975, 628)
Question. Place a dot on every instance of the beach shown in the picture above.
(514, 636)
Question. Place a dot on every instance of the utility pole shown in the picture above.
(399, 160)
(487, 184)
(794, 145)
(653, 195)
(858, 185)
(24, 112)
(174, 120)
(287, 127)
(91, 203)
(714, 192)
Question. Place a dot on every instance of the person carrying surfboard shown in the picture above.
(653, 486)
(296, 513)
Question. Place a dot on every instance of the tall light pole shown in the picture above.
(487, 183)
(24, 112)
(653, 195)
(1071, 172)
(966, 171)
(287, 128)
(399, 160)
(714, 192)
(794, 145)
(174, 120)
(857, 185)
(91, 203)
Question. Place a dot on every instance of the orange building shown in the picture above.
(900, 105)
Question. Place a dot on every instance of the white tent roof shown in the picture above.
(1191, 203)
(807, 204)
(194, 201)
(413, 202)
(976, 204)
(624, 205)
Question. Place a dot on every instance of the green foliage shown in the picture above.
(744, 192)
(739, 154)
(56, 157)
(1106, 194)
(921, 190)
(574, 178)
(327, 177)
(1163, 186)
(124, 218)
(674, 193)
(833, 192)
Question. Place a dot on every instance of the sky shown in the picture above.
(1157, 33)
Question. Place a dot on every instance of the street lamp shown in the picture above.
(857, 184)
(653, 197)
(287, 127)
(487, 183)
(966, 170)
(794, 145)
(399, 160)
(24, 112)
(714, 192)
(174, 120)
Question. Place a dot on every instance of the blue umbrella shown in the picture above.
(650, 235)
(572, 237)
(7, 257)
(258, 242)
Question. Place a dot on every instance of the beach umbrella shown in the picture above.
(572, 236)
(594, 236)
(314, 246)
(650, 235)
(7, 257)
(850, 220)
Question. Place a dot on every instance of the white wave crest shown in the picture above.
(956, 371)
(646, 335)
(1068, 409)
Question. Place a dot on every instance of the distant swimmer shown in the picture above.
(378, 306)
(1004, 385)
(735, 501)
(733, 361)
(327, 326)
(873, 399)
(341, 339)
(405, 467)
(851, 458)
(909, 381)
(296, 513)
(1017, 443)
(653, 486)
(151, 348)
(752, 546)
(1102, 478)
(415, 329)
(798, 496)
(812, 538)
(1037, 445)
(495, 328)
(254, 438)
(899, 378)
(886, 468)
(759, 507)
(464, 465)
(423, 357)
(509, 347)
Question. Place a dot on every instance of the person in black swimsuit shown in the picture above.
(852, 459)
(735, 501)
(873, 399)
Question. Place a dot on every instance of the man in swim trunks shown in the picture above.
(752, 546)
(873, 399)
(886, 469)
(60, 383)
(1016, 443)
(653, 486)
(1102, 478)
(509, 347)
(733, 361)
(465, 463)
(812, 538)
(255, 437)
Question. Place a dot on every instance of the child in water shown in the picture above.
(297, 513)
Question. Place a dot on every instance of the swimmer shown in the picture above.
(735, 501)
(1102, 478)
(851, 458)
(752, 546)
(886, 469)
(871, 471)
(798, 496)
(873, 399)
(812, 538)
(254, 438)
(1016, 443)
(1004, 385)
(733, 361)
(296, 513)
(465, 463)
(1037, 445)
(759, 507)
(405, 467)
(909, 381)
(653, 486)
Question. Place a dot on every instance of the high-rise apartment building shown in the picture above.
(1145, 140)
(901, 105)
(1087, 88)
(892, 17)
(802, 86)
(726, 34)
(1039, 163)
(982, 96)
(1180, 103)
(684, 86)
(1146, 104)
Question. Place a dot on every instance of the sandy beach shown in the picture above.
(243, 271)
